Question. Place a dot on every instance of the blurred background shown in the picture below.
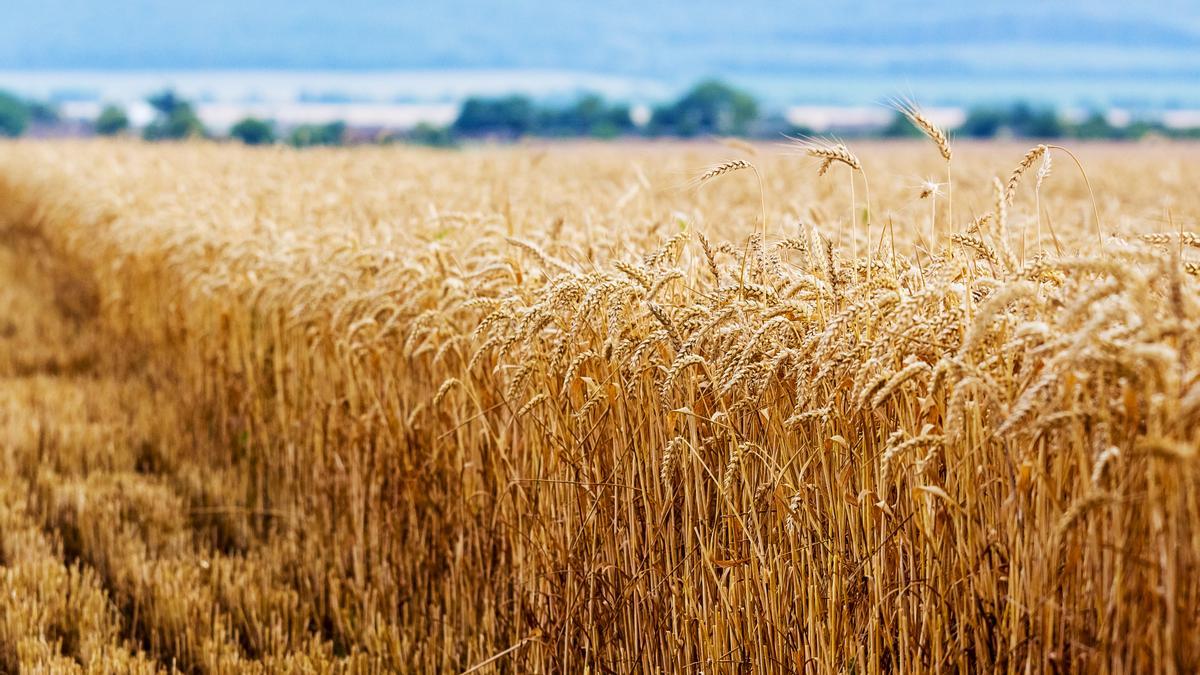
(311, 72)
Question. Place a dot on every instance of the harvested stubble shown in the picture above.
(523, 409)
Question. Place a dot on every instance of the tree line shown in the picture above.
(710, 108)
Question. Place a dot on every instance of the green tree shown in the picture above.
(14, 115)
(307, 135)
(41, 112)
(175, 118)
(431, 135)
(982, 122)
(591, 115)
(601, 119)
(509, 117)
(1142, 128)
(900, 127)
(1040, 123)
(1020, 119)
(1096, 125)
(710, 107)
(111, 121)
(253, 131)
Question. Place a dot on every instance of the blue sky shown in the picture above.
(1093, 48)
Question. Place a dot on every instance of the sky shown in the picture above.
(1069, 51)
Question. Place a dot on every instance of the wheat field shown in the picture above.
(920, 407)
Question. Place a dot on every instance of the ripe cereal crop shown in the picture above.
(551, 409)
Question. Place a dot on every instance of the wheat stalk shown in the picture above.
(1026, 162)
(939, 137)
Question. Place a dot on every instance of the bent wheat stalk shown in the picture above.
(942, 140)
(830, 153)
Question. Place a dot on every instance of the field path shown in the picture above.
(111, 557)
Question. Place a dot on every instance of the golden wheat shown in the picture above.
(398, 410)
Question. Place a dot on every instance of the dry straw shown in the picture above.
(399, 410)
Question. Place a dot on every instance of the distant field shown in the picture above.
(579, 408)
